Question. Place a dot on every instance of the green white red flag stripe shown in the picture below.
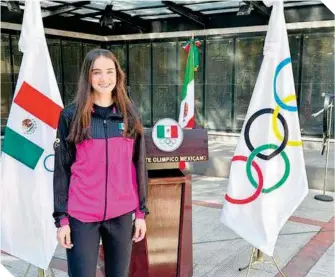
(167, 131)
(38, 105)
(187, 106)
(27, 153)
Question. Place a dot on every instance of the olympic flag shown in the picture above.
(268, 179)
(27, 228)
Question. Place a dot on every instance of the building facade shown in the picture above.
(229, 65)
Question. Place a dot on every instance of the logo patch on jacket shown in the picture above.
(121, 126)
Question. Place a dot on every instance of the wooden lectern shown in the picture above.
(167, 249)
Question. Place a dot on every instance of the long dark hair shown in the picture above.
(80, 125)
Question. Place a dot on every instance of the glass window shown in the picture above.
(55, 56)
(6, 82)
(219, 72)
(120, 52)
(294, 42)
(72, 60)
(140, 79)
(317, 78)
(87, 47)
(248, 60)
(17, 56)
(198, 82)
(164, 81)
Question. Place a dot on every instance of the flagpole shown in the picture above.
(257, 257)
(327, 115)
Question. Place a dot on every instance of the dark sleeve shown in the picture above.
(139, 160)
(64, 157)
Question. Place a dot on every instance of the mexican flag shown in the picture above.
(267, 180)
(170, 131)
(186, 113)
(187, 105)
(27, 227)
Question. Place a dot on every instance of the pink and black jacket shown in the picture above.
(102, 177)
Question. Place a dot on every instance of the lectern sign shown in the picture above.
(167, 135)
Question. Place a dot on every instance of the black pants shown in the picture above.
(116, 235)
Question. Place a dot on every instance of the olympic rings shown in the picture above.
(275, 125)
(277, 149)
(167, 141)
(259, 187)
(247, 135)
(45, 162)
(250, 161)
(281, 103)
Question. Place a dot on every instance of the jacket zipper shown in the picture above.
(106, 139)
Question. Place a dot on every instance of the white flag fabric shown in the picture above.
(267, 180)
(330, 4)
(27, 227)
(4, 272)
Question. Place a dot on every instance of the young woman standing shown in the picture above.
(100, 177)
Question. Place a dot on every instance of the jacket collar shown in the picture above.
(107, 112)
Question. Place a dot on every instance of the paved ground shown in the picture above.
(305, 246)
